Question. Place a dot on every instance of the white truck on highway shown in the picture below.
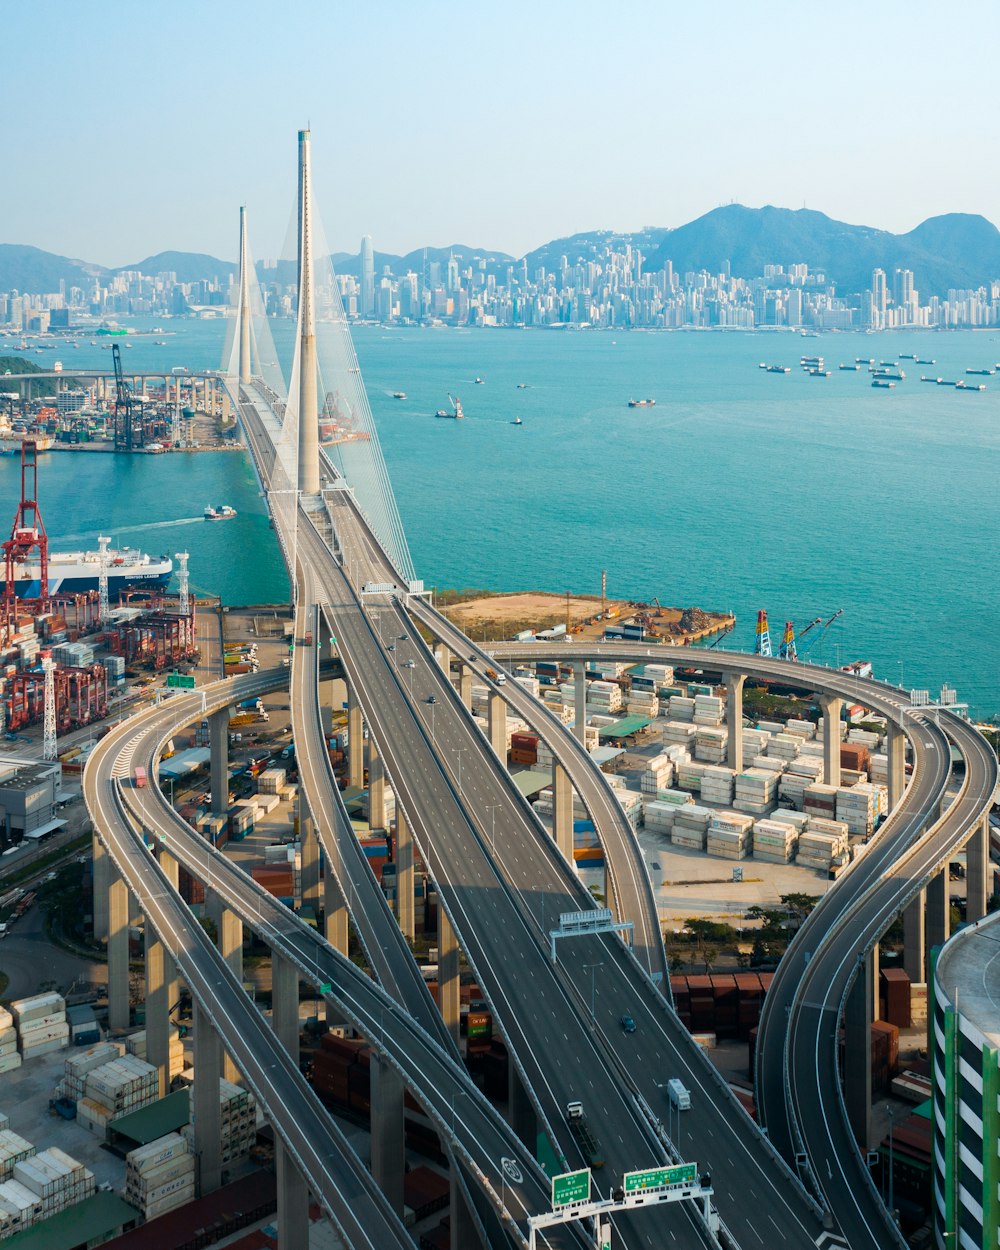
(679, 1094)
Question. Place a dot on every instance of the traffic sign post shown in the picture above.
(660, 1178)
(180, 681)
(570, 1189)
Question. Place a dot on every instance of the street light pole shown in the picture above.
(492, 808)
(593, 992)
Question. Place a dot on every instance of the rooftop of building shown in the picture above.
(968, 973)
(18, 774)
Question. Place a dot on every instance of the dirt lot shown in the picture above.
(499, 616)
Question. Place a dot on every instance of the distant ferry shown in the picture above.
(399, 394)
(642, 403)
(222, 513)
(73, 572)
(456, 413)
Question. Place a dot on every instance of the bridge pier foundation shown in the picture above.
(101, 880)
(520, 1109)
(858, 1053)
(562, 810)
(465, 685)
(462, 1227)
(218, 728)
(938, 909)
(443, 656)
(831, 737)
(160, 975)
(448, 974)
(309, 844)
(734, 720)
(580, 703)
(915, 937)
(230, 943)
(206, 1108)
(977, 861)
(118, 969)
(896, 750)
(376, 787)
(405, 902)
(355, 741)
(293, 1194)
(387, 1135)
(496, 716)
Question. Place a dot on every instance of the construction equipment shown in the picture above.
(762, 640)
(27, 535)
(128, 424)
(787, 649)
(659, 607)
(723, 633)
(825, 626)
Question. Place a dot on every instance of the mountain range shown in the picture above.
(956, 250)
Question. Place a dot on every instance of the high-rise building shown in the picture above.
(879, 298)
(453, 282)
(367, 277)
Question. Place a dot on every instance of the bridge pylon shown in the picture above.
(244, 305)
(308, 411)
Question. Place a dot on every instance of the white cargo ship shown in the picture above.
(74, 571)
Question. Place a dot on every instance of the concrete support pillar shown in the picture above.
(405, 902)
(293, 1195)
(376, 787)
(562, 810)
(101, 873)
(831, 738)
(170, 868)
(580, 702)
(915, 938)
(520, 1109)
(218, 726)
(896, 750)
(118, 970)
(496, 718)
(977, 862)
(734, 719)
(387, 1131)
(448, 973)
(230, 940)
(465, 685)
(206, 1108)
(938, 909)
(461, 1225)
(443, 657)
(160, 975)
(876, 967)
(858, 1054)
(355, 741)
(310, 857)
(335, 917)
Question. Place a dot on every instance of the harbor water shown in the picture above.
(740, 489)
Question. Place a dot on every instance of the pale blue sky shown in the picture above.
(139, 127)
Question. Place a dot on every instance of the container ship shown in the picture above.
(221, 512)
(71, 572)
(10, 442)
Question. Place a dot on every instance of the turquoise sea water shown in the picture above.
(738, 490)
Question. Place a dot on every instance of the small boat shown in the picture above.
(522, 386)
(517, 421)
(907, 356)
(920, 360)
(456, 413)
(936, 381)
(850, 368)
(818, 373)
(480, 381)
(399, 394)
(779, 368)
(222, 513)
(982, 373)
(883, 383)
(642, 403)
(864, 360)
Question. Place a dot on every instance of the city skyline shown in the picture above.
(509, 127)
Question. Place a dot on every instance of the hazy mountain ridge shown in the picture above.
(954, 250)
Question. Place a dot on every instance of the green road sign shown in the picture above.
(326, 988)
(180, 681)
(570, 1189)
(661, 1178)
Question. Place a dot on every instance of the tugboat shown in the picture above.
(480, 381)
(517, 421)
(456, 413)
(399, 394)
(642, 403)
(222, 513)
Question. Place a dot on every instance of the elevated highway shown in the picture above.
(438, 1079)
